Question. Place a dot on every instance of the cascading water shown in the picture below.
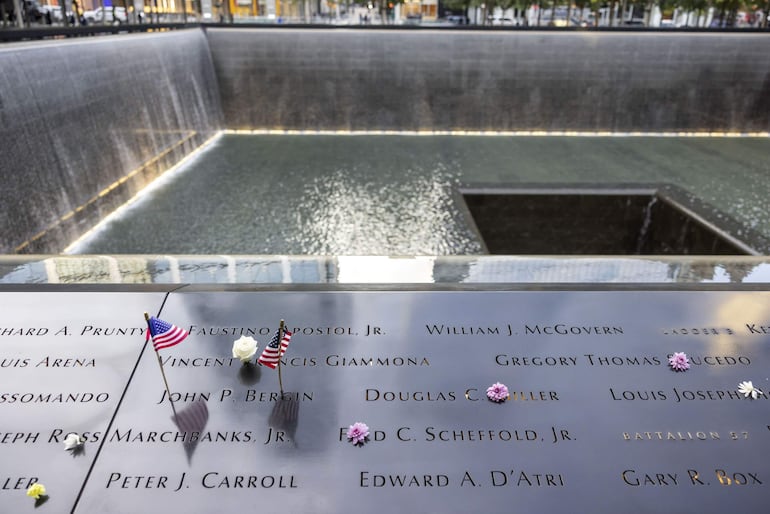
(642, 238)
(87, 123)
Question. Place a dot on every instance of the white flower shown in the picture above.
(73, 440)
(748, 389)
(245, 348)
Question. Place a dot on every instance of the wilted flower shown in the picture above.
(358, 433)
(748, 389)
(679, 361)
(497, 392)
(245, 348)
(36, 490)
(73, 440)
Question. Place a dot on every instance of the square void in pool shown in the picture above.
(601, 221)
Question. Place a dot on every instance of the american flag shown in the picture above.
(270, 354)
(164, 334)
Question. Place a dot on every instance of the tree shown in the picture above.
(486, 6)
(521, 9)
(766, 14)
(458, 5)
(696, 6)
(728, 10)
(504, 5)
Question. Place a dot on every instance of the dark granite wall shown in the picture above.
(87, 123)
(485, 80)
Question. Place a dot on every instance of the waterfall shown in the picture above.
(642, 237)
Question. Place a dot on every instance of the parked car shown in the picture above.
(31, 11)
(413, 19)
(34, 10)
(106, 15)
(557, 20)
(503, 21)
(55, 11)
(456, 19)
(577, 22)
(635, 22)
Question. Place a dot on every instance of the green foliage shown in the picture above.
(457, 5)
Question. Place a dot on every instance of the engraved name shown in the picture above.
(591, 359)
(54, 397)
(171, 436)
(471, 394)
(563, 329)
(718, 477)
(268, 331)
(680, 395)
(12, 483)
(250, 395)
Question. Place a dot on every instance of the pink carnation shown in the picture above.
(358, 433)
(679, 362)
(497, 392)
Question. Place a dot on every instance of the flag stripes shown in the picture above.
(273, 351)
(164, 334)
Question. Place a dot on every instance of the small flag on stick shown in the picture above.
(164, 334)
(274, 350)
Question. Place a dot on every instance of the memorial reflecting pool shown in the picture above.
(397, 194)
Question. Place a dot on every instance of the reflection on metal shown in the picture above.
(51, 275)
(231, 268)
(285, 415)
(112, 266)
(482, 269)
(249, 374)
(491, 133)
(174, 269)
(191, 421)
(285, 270)
(383, 270)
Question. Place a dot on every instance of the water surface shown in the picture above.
(394, 195)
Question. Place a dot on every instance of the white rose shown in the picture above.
(73, 440)
(245, 348)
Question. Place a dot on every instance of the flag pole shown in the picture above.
(160, 363)
(280, 343)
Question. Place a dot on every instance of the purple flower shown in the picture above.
(358, 433)
(679, 362)
(497, 392)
